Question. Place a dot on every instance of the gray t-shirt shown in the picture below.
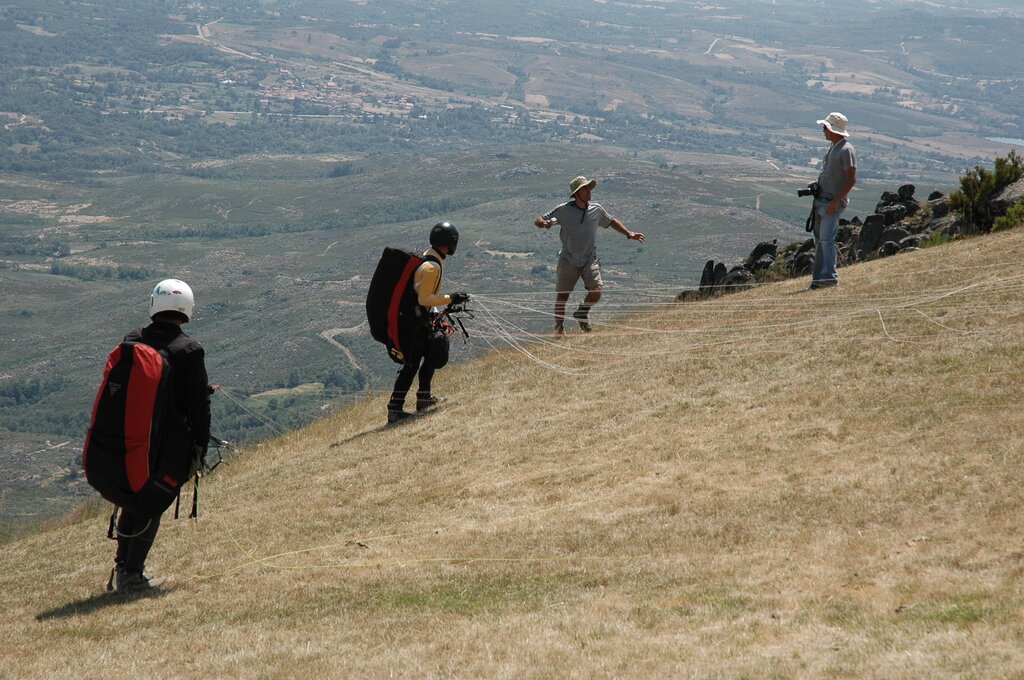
(840, 158)
(578, 230)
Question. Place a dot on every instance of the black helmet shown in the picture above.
(445, 234)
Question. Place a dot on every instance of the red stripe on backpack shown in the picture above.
(143, 385)
(396, 302)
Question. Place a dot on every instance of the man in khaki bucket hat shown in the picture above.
(578, 220)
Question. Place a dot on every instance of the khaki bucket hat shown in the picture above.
(579, 182)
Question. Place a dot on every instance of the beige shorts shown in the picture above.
(567, 274)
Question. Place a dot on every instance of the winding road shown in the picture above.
(329, 334)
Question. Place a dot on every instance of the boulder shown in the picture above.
(845, 234)
(870, 234)
(720, 273)
(762, 263)
(906, 192)
(888, 198)
(912, 242)
(893, 214)
(935, 195)
(739, 278)
(896, 234)
(952, 226)
(764, 248)
(802, 264)
(707, 278)
(912, 207)
(856, 221)
(806, 246)
(888, 248)
(1006, 198)
(940, 206)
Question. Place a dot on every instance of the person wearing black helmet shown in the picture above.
(430, 350)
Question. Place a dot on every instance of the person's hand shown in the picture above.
(459, 297)
(832, 207)
(635, 236)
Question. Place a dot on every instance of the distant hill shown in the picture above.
(132, 87)
(779, 482)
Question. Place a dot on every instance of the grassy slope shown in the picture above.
(777, 483)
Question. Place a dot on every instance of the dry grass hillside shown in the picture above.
(779, 483)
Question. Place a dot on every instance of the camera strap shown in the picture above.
(809, 224)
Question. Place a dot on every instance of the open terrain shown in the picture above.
(282, 261)
(778, 483)
(266, 152)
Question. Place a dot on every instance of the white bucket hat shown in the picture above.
(835, 122)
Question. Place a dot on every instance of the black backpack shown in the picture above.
(392, 308)
(137, 453)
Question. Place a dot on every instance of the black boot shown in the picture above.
(581, 315)
(397, 415)
(425, 400)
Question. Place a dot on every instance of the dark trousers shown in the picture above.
(404, 380)
(135, 535)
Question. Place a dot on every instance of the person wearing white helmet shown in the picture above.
(171, 305)
(835, 182)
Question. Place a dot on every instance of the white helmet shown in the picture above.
(172, 295)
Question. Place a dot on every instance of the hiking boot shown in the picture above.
(129, 582)
(397, 416)
(581, 316)
(116, 576)
(427, 402)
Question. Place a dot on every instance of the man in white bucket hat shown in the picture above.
(836, 180)
(578, 220)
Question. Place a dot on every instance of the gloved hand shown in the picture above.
(460, 297)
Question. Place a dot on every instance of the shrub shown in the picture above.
(1014, 217)
(936, 238)
(979, 185)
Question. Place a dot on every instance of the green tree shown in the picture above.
(978, 186)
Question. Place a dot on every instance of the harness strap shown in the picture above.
(195, 498)
(113, 521)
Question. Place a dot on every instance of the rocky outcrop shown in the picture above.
(899, 223)
(870, 233)
(1006, 199)
(718, 279)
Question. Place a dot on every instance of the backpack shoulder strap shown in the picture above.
(440, 265)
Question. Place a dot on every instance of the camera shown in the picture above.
(811, 190)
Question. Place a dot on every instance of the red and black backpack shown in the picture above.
(137, 452)
(392, 307)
